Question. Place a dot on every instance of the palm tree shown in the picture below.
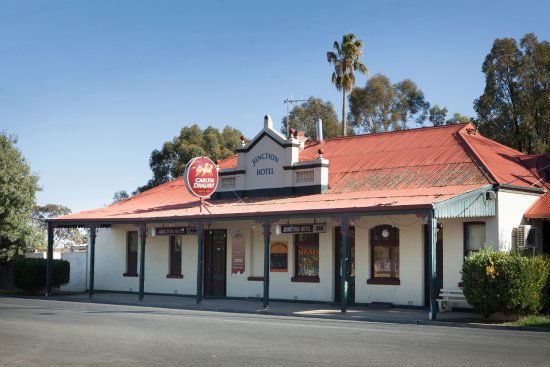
(346, 62)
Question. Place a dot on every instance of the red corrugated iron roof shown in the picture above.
(172, 201)
(501, 162)
(400, 169)
(540, 208)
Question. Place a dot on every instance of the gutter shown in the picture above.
(534, 190)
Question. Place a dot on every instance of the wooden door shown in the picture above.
(215, 262)
(338, 265)
(439, 263)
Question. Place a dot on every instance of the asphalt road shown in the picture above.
(54, 333)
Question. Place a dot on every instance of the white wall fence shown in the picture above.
(78, 262)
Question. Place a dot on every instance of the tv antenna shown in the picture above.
(290, 104)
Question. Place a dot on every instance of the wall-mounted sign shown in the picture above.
(173, 231)
(201, 177)
(300, 228)
(265, 156)
(278, 256)
(237, 254)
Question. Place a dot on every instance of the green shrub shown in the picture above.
(30, 274)
(546, 291)
(510, 283)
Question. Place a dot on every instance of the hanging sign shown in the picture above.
(237, 254)
(300, 228)
(173, 231)
(201, 177)
(278, 256)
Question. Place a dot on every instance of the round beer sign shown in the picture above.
(201, 177)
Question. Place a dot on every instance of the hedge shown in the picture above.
(511, 283)
(30, 274)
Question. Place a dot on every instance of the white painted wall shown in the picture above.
(411, 261)
(111, 262)
(510, 206)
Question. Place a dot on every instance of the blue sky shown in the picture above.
(92, 87)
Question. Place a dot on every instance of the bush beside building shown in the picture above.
(510, 283)
(30, 274)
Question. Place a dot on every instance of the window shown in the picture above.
(474, 236)
(304, 176)
(306, 248)
(131, 254)
(176, 245)
(227, 183)
(384, 255)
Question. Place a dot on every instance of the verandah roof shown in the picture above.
(171, 202)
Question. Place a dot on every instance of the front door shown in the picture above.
(215, 251)
(338, 265)
(439, 263)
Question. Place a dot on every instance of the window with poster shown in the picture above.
(384, 240)
(306, 246)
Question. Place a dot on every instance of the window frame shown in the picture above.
(465, 226)
(297, 244)
(171, 273)
(129, 273)
(384, 243)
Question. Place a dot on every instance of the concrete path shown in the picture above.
(403, 315)
(35, 332)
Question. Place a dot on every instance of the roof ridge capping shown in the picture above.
(415, 129)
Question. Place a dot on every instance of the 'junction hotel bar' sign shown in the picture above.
(300, 228)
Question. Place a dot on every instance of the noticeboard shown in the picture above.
(278, 256)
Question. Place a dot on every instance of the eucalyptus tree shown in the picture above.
(18, 186)
(304, 117)
(346, 60)
(169, 161)
(514, 108)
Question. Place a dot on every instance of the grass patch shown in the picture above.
(532, 321)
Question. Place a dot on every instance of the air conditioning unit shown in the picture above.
(525, 237)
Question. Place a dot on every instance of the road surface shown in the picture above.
(53, 333)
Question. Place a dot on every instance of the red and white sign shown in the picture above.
(201, 177)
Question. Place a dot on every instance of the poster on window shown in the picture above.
(237, 253)
(278, 256)
(308, 261)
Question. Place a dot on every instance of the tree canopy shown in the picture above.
(169, 162)
(62, 236)
(383, 106)
(514, 108)
(120, 195)
(346, 60)
(18, 187)
(304, 117)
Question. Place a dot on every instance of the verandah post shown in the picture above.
(92, 260)
(344, 260)
(142, 237)
(267, 237)
(49, 261)
(432, 263)
(200, 240)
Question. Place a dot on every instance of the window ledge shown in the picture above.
(130, 275)
(305, 279)
(386, 281)
(175, 276)
(259, 279)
